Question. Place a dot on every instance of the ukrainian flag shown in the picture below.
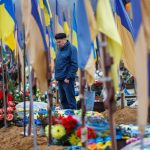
(141, 58)
(106, 24)
(59, 19)
(74, 28)
(65, 25)
(10, 41)
(7, 23)
(44, 4)
(52, 42)
(125, 29)
(35, 42)
(86, 33)
(7, 18)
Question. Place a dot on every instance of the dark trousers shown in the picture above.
(67, 94)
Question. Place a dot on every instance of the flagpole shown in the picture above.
(19, 74)
(24, 95)
(82, 99)
(6, 86)
(31, 115)
(4, 96)
(50, 96)
(32, 82)
(122, 91)
(109, 100)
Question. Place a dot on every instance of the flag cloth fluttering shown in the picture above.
(125, 29)
(74, 28)
(86, 33)
(59, 19)
(109, 28)
(65, 25)
(7, 23)
(35, 42)
(44, 4)
(141, 53)
(7, 18)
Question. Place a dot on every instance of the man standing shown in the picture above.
(66, 66)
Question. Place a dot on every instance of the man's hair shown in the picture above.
(60, 36)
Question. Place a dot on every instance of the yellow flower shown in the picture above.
(74, 140)
(92, 146)
(99, 145)
(79, 144)
(58, 131)
(107, 144)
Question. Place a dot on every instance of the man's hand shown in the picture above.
(66, 81)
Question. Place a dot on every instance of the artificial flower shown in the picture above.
(74, 140)
(27, 94)
(91, 133)
(10, 103)
(99, 145)
(92, 146)
(69, 123)
(107, 144)
(9, 109)
(57, 120)
(1, 94)
(9, 97)
(58, 131)
(9, 117)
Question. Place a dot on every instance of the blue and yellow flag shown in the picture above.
(35, 42)
(52, 42)
(141, 53)
(7, 19)
(10, 41)
(125, 29)
(44, 4)
(106, 24)
(65, 25)
(7, 23)
(59, 19)
(74, 28)
(86, 33)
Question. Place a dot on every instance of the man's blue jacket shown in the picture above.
(66, 64)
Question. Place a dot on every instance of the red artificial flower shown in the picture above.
(9, 110)
(9, 117)
(10, 103)
(91, 133)
(1, 95)
(27, 94)
(57, 120)
(69, 123)
(9, 97)
(1, 117)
